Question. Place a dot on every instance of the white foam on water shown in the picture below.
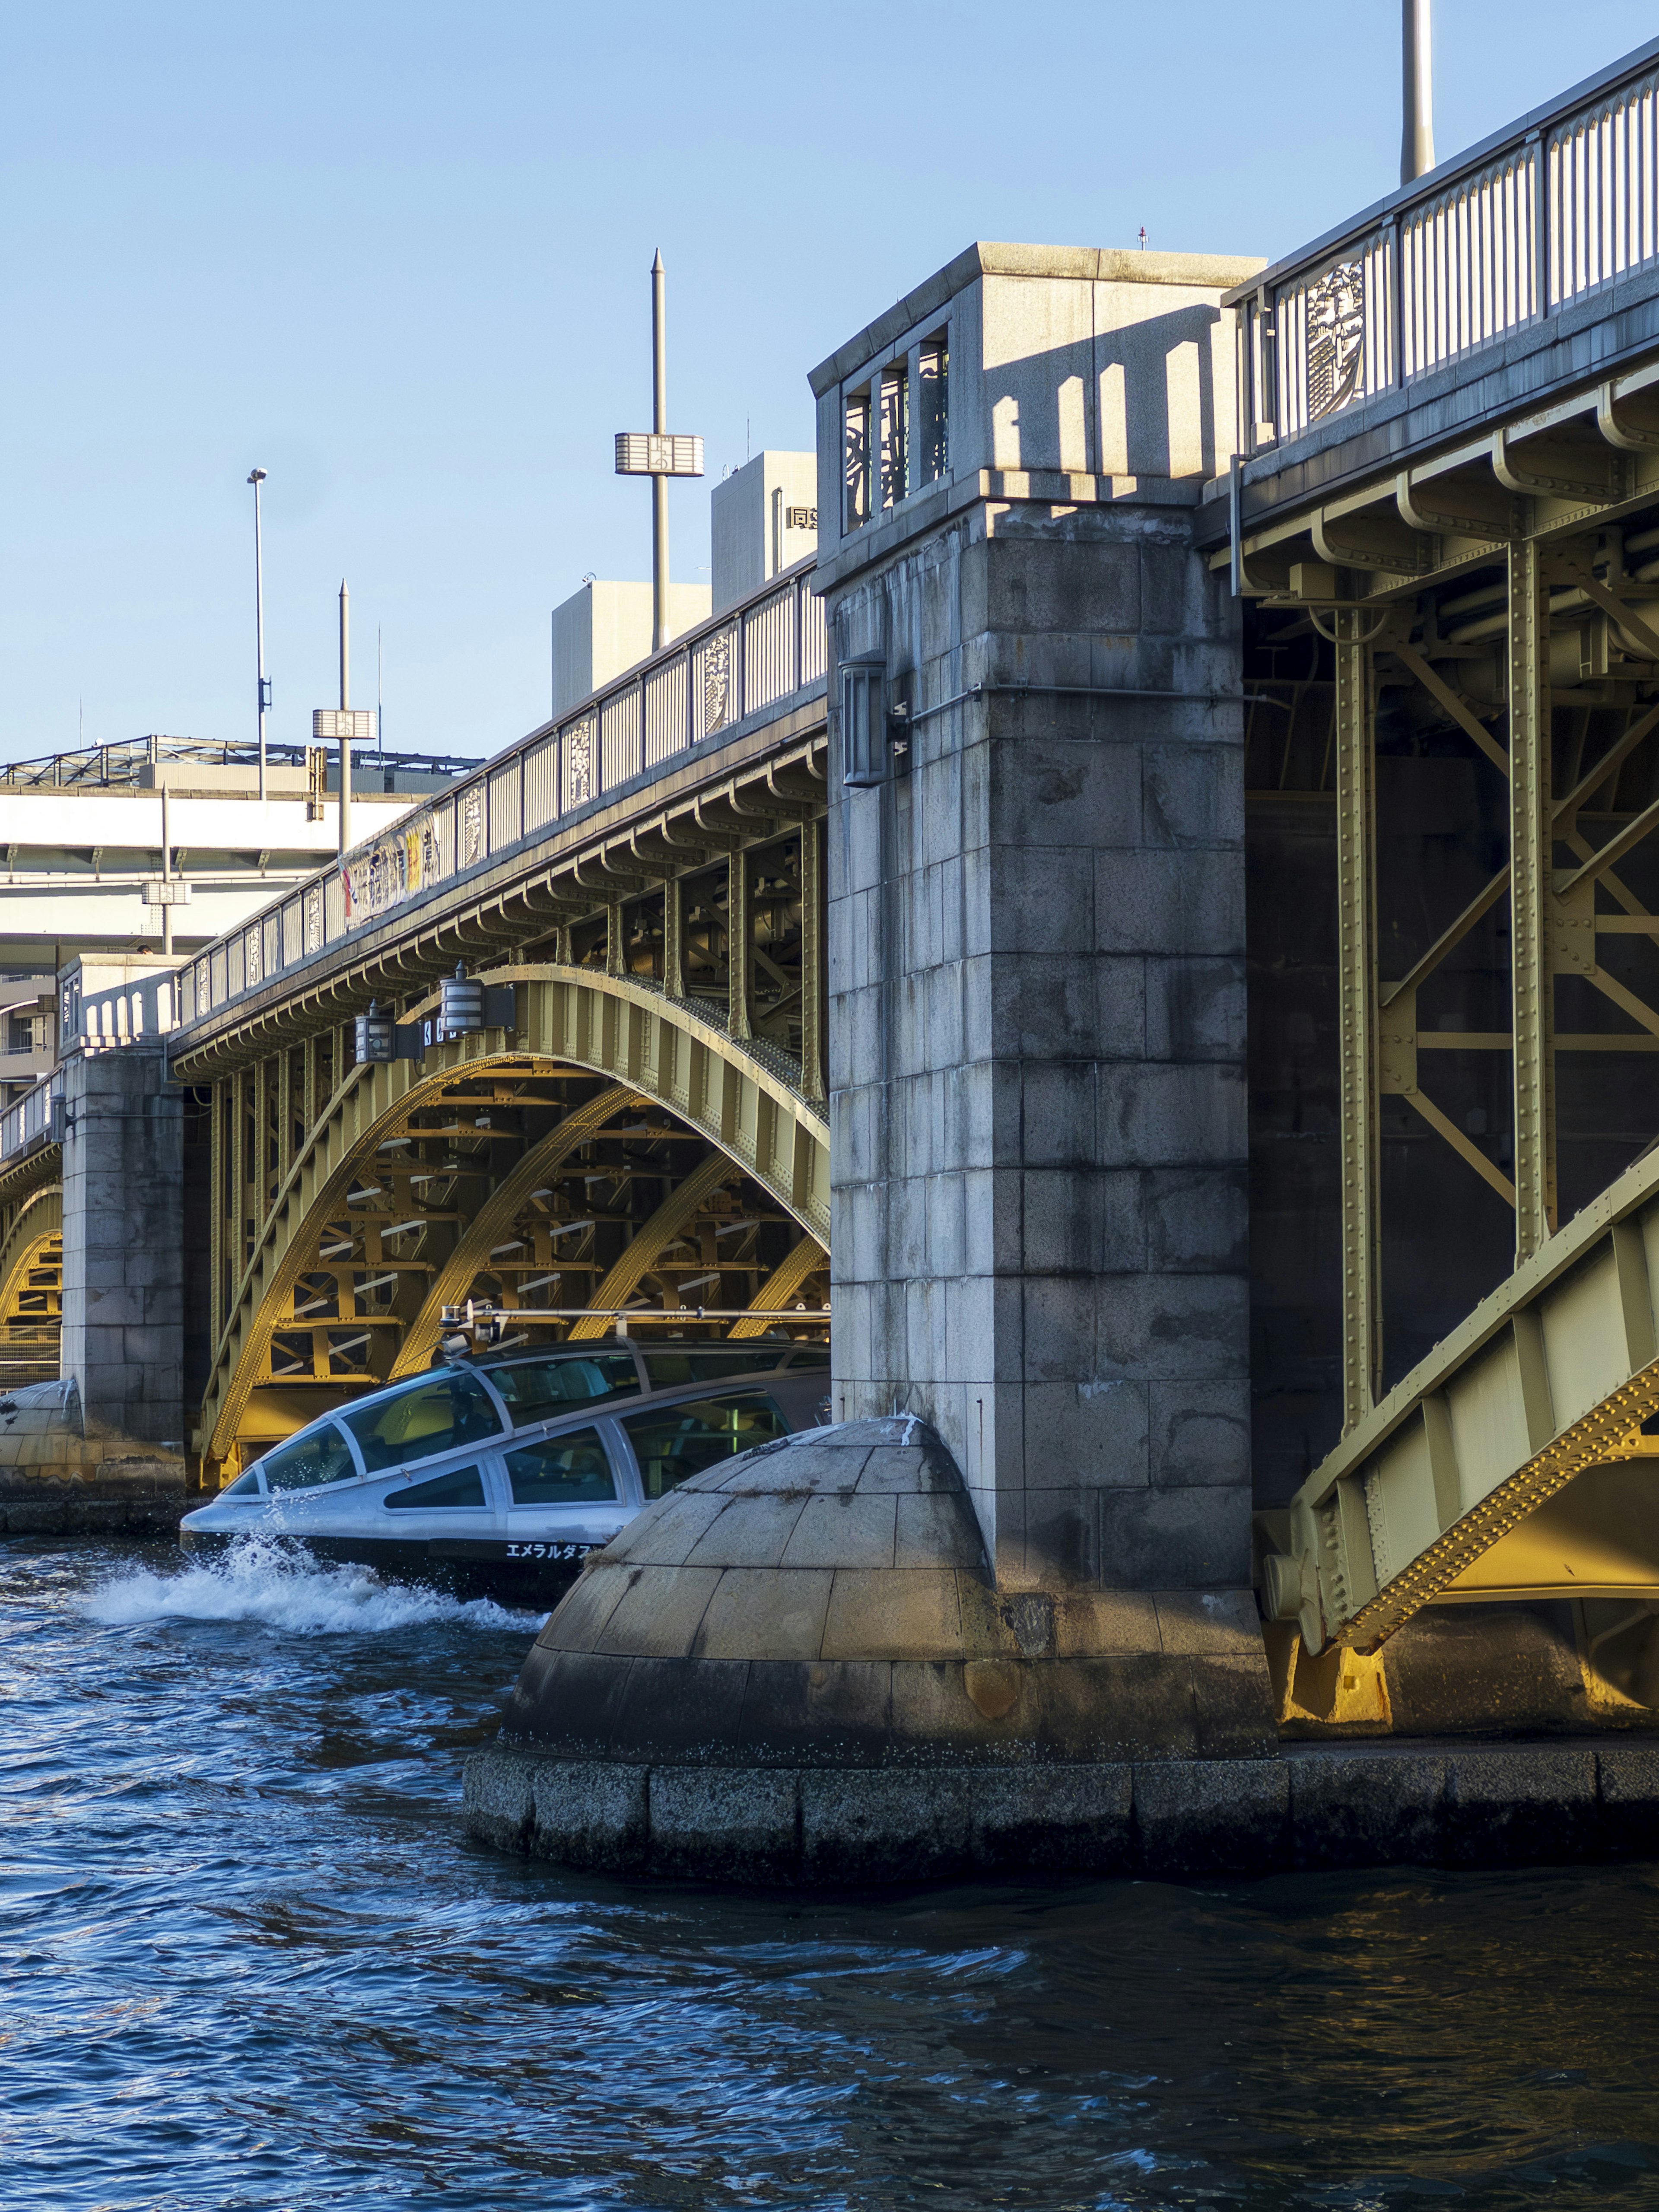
(284, 1588)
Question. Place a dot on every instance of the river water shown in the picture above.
(248, 1958)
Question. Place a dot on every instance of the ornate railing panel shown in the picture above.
(1523, 225)
(745, 660)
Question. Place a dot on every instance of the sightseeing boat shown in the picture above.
(495, 1475)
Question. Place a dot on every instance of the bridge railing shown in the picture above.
(753, 656)
(1521, 227)
(36, 1117)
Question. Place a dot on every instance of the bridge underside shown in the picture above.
(613, 1150)
(1453, 762)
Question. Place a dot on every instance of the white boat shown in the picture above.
(495, 1475)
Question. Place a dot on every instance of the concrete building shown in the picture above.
(606, 627)
(763, 518)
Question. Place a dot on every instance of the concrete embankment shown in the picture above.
(54, 1481)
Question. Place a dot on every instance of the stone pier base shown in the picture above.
(54, 1481)
(1311, 1806)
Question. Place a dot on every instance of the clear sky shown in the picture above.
(398, 255)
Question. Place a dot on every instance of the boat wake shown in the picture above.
(282, 1586)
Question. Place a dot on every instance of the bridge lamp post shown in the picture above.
(256, 478)
(1417, 104)
(656, 454)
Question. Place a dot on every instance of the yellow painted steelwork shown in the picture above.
(331, 1218)
(1487, 578)
(31, 1282)
(1549, 1382)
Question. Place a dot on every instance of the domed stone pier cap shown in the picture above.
(826, 1601)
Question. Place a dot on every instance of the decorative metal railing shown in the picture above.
(36, 1113)
(1522, 226)
(753, 657)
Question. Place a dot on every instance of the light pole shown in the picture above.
(256, 479)
(658, 454)
(1416, 105)
(345, 719)
(661, 623)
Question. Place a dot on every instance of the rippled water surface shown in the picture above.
(250, 1959)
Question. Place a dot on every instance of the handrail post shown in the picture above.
(1541, 218)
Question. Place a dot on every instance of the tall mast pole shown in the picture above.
(345, 726)
(167, 872)
(256, 479)
(1416, 105)
(659, 623)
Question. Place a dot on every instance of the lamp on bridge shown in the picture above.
(460, 1004)
(656, 454)
(377, 1034)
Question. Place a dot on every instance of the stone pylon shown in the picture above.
(947, 1631)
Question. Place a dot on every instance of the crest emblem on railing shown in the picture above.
(580, 742)
(717, 683)
(1336, 338)
(471, 826)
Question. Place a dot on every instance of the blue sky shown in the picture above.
(397, 255)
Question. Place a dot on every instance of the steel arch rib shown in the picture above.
(497, 1213)
(785, 1279)
(657, 1047)
(39, 1220)
(653, 1238)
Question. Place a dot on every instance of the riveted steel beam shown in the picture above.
(1531, 950)
(652, 1239)
(1357, 995)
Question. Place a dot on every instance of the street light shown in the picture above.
(256, 479)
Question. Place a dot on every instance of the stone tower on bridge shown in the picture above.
(1036, 906)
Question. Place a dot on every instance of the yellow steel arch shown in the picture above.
(32, 1243)
(1431, 1496)
(472, 1248)
(652, 1239)
(659, 1049)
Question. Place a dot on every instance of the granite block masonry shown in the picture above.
(798, 1669)
(123, 1248)
(1037, 1109)
(1036, 900)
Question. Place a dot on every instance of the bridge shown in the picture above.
(1443, 526)
(1281, 1300)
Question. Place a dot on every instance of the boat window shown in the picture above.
(813, 1357)
(462, 1486)
(682, 1440)
(245, 1485)
(568, 1470)
(700, 1363)
(441, 1411)
(536, 1389)
(315, 1455)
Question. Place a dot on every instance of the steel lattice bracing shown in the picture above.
(612, 1142)
(1460, 660)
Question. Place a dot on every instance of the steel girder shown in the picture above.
(1555, 1374)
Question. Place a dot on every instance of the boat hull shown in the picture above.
(525, 1577)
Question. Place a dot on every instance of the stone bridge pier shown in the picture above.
(1007, 1597)
(1036, 915)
